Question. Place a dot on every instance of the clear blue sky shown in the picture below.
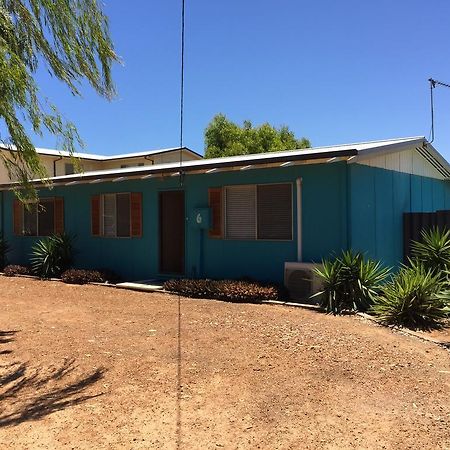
(333, 71)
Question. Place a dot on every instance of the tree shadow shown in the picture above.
(32, 392)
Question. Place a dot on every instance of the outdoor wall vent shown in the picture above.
(301, 281)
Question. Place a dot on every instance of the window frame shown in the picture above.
(38, 203)
(102, 221)
(70, 165)
(224, 210)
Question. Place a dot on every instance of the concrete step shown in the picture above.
(142, 285)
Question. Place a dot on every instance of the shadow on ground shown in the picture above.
(31, 392)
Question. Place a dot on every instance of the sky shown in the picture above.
(333, 71)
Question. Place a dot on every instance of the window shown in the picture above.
(274, 211)
(253, 212)
(69, 169)
(39, 219)
(240, 204)
(117, 215)
(126, 166)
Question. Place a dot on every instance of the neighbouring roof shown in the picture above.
(94, 157)
(350, 152)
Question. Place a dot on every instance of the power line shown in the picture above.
(179, 347)
(182, 89)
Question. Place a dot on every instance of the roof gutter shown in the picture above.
(54, 164)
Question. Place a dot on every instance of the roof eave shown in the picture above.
(192, 166)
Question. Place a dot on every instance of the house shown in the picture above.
(60, 162)
(243, 216)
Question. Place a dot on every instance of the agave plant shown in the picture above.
(433, 250)
(416, 298)
(350, 282)
(52, 255)
(331, 297)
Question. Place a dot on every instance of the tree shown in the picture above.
(225, 138)
(68, 38)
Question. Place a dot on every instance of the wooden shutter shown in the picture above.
(136, 214)
(59, 215)
(215, 204)
(18, 217)
(241, 212)
(275, 211)
(95, 215)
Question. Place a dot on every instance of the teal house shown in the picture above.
(243, 216)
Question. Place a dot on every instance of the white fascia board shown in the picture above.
(390, 148)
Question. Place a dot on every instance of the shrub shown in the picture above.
(416, 298)
(4, 249)
(350, 282)
(14, 269)
(82, 276)
(433, 250)
(228, 290)
(52, 255)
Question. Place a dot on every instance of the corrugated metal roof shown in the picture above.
(91, 156)
(347, 151)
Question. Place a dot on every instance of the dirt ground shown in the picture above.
(96, 368)
(442, 335)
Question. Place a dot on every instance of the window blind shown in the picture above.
(274, 211)
(240, 212)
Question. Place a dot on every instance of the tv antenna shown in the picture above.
(433, 84)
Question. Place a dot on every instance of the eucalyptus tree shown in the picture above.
(226, 138)
(71, 40)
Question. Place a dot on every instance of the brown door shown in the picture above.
(171, 232)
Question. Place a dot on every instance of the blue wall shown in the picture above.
(344, 206)
(379, 198)
(324, 225)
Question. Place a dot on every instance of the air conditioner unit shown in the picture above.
(301, 281)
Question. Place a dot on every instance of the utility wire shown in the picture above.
(182, 90)
(181, 179)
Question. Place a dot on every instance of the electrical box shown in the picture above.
(201, 218)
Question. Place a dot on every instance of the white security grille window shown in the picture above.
(109, 215)
(240, 212)
(117, 215)
(259, 212)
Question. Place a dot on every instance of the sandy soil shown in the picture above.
(96, 368)
(442, 335)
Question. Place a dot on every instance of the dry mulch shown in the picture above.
(89, 367)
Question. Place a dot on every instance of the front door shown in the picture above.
(171, 232)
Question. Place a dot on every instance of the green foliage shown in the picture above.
(350, 282)
(225, 138)
(52, 255)
(433, 250)
(82, 276)
(416, 298)
(14, 269)
(4, 250)
(228, 290)
(69, 39)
